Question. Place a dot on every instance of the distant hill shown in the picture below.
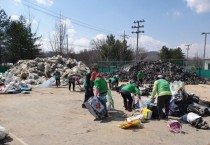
(152, 55)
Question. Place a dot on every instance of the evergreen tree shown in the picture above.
(166, 53)
(177, 53)
(21, 42)
(126, 54)
(4, 21)
(114, 50)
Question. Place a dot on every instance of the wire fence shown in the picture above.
(111, 66)
(194, 66)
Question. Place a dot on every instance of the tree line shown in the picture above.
(18, 42)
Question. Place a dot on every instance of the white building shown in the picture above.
(207, 64)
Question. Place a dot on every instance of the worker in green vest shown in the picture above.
(140, 76)
(113, 82)
(126, 94)
(162, 89)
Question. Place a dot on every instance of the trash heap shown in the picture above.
(183, 102)
(39, 70)
(188, 107)
(151, 69)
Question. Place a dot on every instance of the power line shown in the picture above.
(56, 15)
(66, 17)
(67, 43)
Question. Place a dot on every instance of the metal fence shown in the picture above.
(201, 72)
(111, 66)
(3, 69)
(188, 65)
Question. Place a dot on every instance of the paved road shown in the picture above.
(53, 116)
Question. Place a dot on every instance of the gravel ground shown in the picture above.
(53, 116)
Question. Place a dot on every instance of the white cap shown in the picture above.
(160, 76)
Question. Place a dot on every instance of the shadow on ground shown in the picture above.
(6, 140)
(114, 115)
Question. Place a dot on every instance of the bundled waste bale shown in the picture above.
(195, 120)
(25, 87)
(12, 88)
(96, 108)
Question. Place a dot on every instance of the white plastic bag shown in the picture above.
(3, 132)
(139, 105)
(110, 101)
(190, 117)
(48, 83)
(132, 118)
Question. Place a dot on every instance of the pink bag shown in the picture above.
(174, 126)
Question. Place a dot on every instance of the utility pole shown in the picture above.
(204, 33)
(188, 45)
(60, 38)
(67, 42)
(124, 36)
(137, 32)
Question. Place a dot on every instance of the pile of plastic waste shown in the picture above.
(39, 70)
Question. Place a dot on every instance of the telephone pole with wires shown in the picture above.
(124, 36)
(137, 32)
(204, 54)
(188, 48)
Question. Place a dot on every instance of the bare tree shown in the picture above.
(197, 62)
(58, 41)
(142, 53)
(96, 45)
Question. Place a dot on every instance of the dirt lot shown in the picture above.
(53, 116)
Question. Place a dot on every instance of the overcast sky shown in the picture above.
(173, 23)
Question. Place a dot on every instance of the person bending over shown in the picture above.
(126, 95)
